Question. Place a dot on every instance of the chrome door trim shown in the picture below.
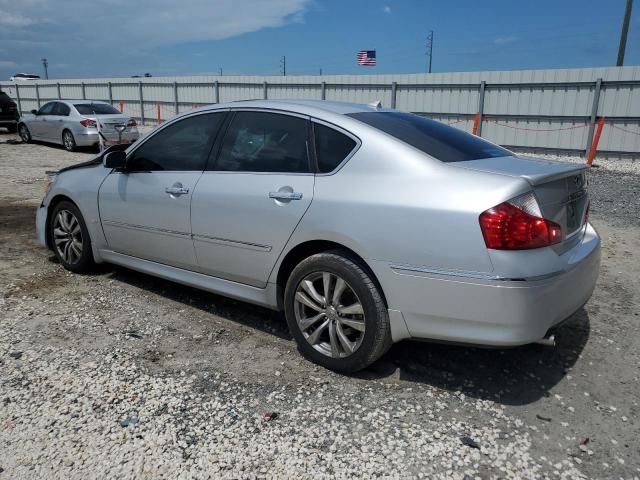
(130, 226)
(233, 243)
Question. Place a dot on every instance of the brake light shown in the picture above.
(518, 225)
(131, 123)
(88, 123)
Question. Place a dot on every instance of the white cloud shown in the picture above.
(8, 19)
(387, 9)
(504, 40)
(146, 23)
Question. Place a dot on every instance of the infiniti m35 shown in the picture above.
(364, 225)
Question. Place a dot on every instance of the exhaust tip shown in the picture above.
(549, 341)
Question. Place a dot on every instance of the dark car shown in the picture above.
(9, 114)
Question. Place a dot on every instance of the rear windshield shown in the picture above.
(441, 141)
(95, 108)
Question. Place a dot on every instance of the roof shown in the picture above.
(303, 106)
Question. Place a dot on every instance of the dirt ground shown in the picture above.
(543, 402)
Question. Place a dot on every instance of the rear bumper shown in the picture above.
(90, 137)
(484, 311)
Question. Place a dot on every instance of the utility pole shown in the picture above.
(45, 64)
(220, 71)
(320, 71)
(283, 66)
(430, 48)
(623, 34)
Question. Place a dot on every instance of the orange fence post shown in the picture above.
(596, 140)
(121, 105)
(476, 122)
(158, 109)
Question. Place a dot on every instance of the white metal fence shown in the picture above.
(551, 111)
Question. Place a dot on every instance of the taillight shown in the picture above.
(88, 123)
(131, 123)
(518, 225)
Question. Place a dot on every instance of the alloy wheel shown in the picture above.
(67, 138)
(24, 134)
(67, 236)
(329, 314)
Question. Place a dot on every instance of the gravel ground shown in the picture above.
(121, 375)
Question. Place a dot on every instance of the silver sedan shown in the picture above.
(366, 226)
(74, 123)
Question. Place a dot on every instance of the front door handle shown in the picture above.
(176, 189)
(283, 195)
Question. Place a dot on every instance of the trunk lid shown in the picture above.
(560, 188)
(110, 121)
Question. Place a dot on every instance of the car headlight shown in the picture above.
(51, 179)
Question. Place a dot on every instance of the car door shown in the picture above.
(58, 122)
(145, 210)
(252, 196)
(39, 125)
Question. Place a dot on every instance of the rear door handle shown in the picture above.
(176, 190)
(285, 195)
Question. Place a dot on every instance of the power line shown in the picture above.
(45, 64)
(283, 66)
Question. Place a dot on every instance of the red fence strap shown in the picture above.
(476, 122)
(158, 111)
(574, 127)
(121, 105)
(596, 140)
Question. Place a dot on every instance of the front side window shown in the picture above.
(264, 142)
(436, 139)
(181, 146)
(47, 109)
(95, 109)
(332, 147)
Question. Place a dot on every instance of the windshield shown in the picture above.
(95, 108)
(436, 139)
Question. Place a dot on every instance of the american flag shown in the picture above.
(367, 58)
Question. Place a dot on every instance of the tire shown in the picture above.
(68, 142)
(24, 133)
(337, 322)
(71, 245)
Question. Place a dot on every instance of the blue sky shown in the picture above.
(82, 38)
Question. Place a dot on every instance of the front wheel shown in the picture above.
(68, 141)
(336, 313)
(24, 133)
(70, 238)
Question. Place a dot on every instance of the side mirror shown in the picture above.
(35, 112)
(117, 159)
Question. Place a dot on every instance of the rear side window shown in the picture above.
(441, 141)
(332, 147)
(181, 146)
(95, 109)
(264, 142)
(61, 109)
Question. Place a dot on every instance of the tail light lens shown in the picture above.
(88, 123)
(518, 225)
(132, 123)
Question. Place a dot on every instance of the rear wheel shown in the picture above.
(70, 238)
(68, 141)
(336, 313)
(24, 133)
